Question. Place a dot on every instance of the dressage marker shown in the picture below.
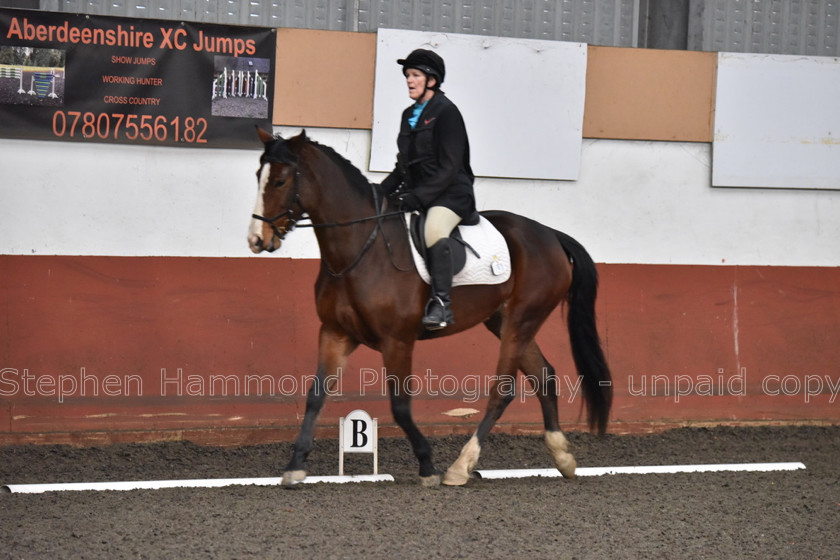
(358, 433)
(484, 474)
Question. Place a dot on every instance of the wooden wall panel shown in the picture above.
(324, 78)
(646, 94)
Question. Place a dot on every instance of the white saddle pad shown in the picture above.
(492, 268)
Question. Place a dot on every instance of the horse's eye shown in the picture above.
(280, 183)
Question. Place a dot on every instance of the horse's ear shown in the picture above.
(265, 137)
(298, 142)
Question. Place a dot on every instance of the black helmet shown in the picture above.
(428, 62)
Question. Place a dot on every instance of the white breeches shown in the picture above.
(440, 221)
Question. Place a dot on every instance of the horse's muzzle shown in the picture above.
(257, 245)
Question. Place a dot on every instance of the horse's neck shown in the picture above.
(336, 201)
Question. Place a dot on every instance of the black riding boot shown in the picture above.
(438, 313)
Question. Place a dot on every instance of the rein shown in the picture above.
(351, 222)
(292, 222)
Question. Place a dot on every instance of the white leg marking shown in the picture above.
(558, 445)
(459, 473)
(255, 227)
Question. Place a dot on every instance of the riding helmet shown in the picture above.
(428, 62)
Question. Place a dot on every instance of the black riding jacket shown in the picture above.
(434, 158)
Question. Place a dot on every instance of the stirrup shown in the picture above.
(438, 315)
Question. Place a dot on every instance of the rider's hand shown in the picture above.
(408, 202)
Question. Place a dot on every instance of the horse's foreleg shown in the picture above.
(333, 350)
(397, 358)
(401, 409)
(296, 469)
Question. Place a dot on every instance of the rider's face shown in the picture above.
(416, 82)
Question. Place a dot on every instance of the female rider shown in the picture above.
(433, 173)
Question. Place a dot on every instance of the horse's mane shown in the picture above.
(289, 151)
(354, 176)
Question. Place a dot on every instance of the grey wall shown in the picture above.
(806, 27)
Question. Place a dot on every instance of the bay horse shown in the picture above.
(368, 292)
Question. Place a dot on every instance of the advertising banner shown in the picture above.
(81, 78)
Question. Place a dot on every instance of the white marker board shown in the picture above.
(777, 122)
(522, 100)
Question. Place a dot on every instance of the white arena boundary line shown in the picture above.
(655, 469)
(197, 483)
(487, 474)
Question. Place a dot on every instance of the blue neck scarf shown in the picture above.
(415, 116)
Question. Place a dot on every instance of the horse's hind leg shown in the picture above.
(544, 381)
(541, 376)
(333, 350)
(501, 395)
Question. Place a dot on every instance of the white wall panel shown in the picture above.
(62, 198)
(777, 121)
(522, 100)
(635, 202)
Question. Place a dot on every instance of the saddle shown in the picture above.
(479, 252)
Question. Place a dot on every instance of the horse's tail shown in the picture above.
(583, 334)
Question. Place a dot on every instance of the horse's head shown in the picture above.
(278, 199)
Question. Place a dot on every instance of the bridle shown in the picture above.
(289, 213)
(292, 219)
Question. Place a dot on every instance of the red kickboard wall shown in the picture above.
(103, 349)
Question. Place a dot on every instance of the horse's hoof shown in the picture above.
(558, 445)
(432, 481)
(566, 464)
(455, 478)
(459, 473)
(567, 467)
(290, 478)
